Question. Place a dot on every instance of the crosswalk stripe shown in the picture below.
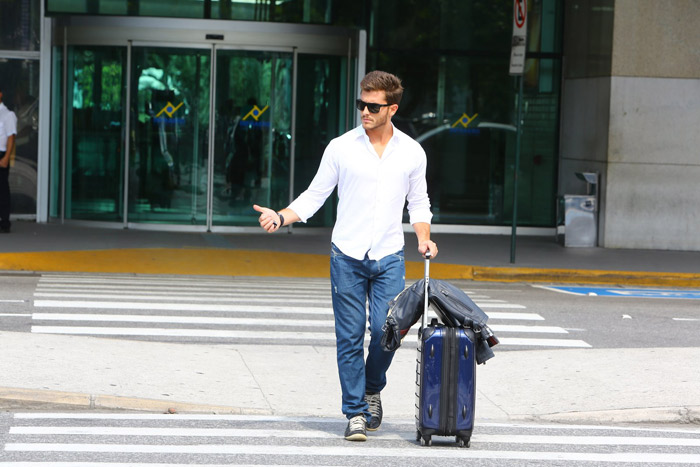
(320, 434)
(515, 316)
(528, 329)
(177, 417)
(273, 298)
(221, 291)
(182, 320)
(245, 321)
(169, 280)
(178, 332)
(519, 341)
(351, 451)
(182, 307)
(299, 290)
(128, 464)
(223, 297)
(279, 335)
(550, 427)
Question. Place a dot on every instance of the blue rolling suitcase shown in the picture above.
(445, 380)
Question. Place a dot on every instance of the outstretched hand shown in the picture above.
(269, 220)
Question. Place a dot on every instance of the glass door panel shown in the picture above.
(169, 138)
(321, 99)
(253, 134)
(94, 155)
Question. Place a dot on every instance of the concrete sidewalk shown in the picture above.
(77, 372)
(573, 386)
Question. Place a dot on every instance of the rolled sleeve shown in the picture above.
(422, 215)
(417, 196)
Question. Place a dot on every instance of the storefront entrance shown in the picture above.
(189, 135)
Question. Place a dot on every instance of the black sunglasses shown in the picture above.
(371, 106)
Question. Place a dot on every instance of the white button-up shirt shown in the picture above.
(8, 125)
(372, 192)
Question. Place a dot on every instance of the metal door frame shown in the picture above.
(201, 34)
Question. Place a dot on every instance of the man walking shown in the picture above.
(377, 168)
(8, 131)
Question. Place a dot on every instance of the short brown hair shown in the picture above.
(383, 81)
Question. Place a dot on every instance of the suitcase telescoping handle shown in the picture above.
(424, 322)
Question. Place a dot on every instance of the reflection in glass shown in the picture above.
(470, 167)
(169, 135)
(320, 118)
(341, 13)
(94, 155)
(20, 25)
(253, 134)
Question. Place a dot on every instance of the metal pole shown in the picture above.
(211, 150)
(293, 130)
(127, 137)
(518, 126)
(64, 124)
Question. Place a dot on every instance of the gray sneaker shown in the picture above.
(375, 410)
(356, 430)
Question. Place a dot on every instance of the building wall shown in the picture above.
(631, 111)
(585, 108)
(653, 168)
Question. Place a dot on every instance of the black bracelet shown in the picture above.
(281, 220)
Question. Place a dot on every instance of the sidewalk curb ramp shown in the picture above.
(23, 399)
(677, 415)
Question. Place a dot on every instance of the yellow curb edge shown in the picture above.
(265, 263)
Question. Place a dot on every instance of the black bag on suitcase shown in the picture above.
(445, 380)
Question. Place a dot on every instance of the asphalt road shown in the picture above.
(89, 438)
(265, 310)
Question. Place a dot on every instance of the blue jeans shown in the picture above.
(353, 282)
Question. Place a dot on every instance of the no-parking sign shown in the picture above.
(517, 51)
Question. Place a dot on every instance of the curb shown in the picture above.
(661, 415)
(19, 398)
(586, 276)
(33, 399)
(265, 263)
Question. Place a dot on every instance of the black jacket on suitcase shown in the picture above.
(451, 304)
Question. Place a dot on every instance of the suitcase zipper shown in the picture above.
(448, 393)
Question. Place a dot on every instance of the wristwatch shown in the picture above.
(281, 220)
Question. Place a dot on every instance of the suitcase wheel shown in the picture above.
(464, 442)
(426, 441)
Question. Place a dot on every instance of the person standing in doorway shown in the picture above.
(8, 131)
(377, 168)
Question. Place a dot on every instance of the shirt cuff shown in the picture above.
(423, 215)
(299, 209)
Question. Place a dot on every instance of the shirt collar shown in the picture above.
(396, 133)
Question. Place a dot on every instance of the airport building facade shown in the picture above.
(180, 115)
